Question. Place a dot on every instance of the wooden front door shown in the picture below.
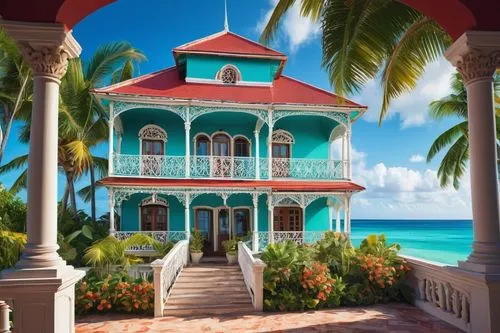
(281, 160)
(222, 228)
(204, 224)
(241, 222)
(153, 218)
(288, 219)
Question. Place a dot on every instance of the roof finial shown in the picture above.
(226, 24)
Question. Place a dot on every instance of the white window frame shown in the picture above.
(162, 136)
(153, 200)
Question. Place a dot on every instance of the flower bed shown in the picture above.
(116, 292)
(331, 273)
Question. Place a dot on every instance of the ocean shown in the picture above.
(444, 241)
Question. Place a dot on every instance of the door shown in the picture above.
(222, 228)
(281, 160)
(241, 222)
(288, 219)
(204, 224)
(221, 151)
(153, 218)
(152, 160)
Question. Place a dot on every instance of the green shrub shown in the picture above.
(114, 293)
(196, 242)
(11, 245)
(230, 246)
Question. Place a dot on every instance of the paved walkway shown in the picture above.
(393, 318)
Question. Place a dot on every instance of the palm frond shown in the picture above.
(447, 138)
(15, 164)
(20, 183)
(452, 166)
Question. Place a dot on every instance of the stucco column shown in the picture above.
(270, 220)
(255, 233)
(187, 217)
(111, 202)
(41, 284)
(270, 144)
(337, 220)
(348, 134)
(111, 138)
(330, 216)
(187, 129)
(477, 55)
(347, 214)
(257, 154)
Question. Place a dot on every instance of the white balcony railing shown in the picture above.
(160, 236)
(164, 166)
(299, 237)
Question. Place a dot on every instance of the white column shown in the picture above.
(111, 139)
(476, 55)
(337, 220)
(330, 217)
(187, 217)
(255, 234)
(111, 202)
(270, 144)
(304, 219)
(348, 149)
(187, 129)
(347, 214)
(41, 284)
(270, 219)
(344, 157)
(257, 154)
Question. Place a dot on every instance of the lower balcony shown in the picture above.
(163, 166)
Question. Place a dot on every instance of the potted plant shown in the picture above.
(231, 249)
(196, 246)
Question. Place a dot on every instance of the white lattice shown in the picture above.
(282, 136)
(307, 168)
(229, 74)
(340, 117)
(299, 237)
(152, 132)
(149, 165)
(161, 236)
(154, 200)
(223, 166)
(195, 111)
(120, 107)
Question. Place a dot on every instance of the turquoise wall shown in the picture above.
(316, 213)
(130, 220)
(254, 70)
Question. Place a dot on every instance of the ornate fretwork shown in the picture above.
(46, 61)
(476, 64)
(339, 117)
(196, 111)
(154, 200)
(120, 107)
(286, 199)
(229, 74)
(282, 136)
(152, 132)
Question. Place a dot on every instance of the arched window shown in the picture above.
(221, 145)
(154, 214)
(241, 222)
(229, 74)
(152, 140)
(202, 145)
(241, 147)
(282, 144)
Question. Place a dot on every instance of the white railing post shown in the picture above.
(253, 275)
(257, 154)
(258, 284)
(157, 266)
(187, 218)
(187, 128)
(4, 317)
(255, 234)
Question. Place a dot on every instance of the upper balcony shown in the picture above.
(245, 168)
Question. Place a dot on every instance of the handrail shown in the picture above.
(253, 274)
(166, 271)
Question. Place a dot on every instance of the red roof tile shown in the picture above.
(275, 185)
(285, 90)
(227, 42)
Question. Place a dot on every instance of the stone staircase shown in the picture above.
(209, 289)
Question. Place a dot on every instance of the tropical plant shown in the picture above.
(12, 211)
(103, 255)
(115, 293)
(230, 246)
(196, 242)
(11, 245)
(82, 120)
(16, 87)
(336, 251)
(452, 166)
(370, 39)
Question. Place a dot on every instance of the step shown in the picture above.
(211, 269)
(188, 289)
(211, 272)
(194, 310)
(214, 300)
(210, 294)
(222, 278)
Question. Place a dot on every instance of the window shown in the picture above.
(202, 145)
(152, 139)
(154, 214)
(153, 147)
(288, 219)
(241, 222)
(282, 152)
(241, 147)
(229, 75)
(221, 145)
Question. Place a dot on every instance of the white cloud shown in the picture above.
(417, 158)
(410, 107)
(295, 28)
(401, 192)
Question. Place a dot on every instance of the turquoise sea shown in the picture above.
(444, 241)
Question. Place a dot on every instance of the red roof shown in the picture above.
(285, 90)
(226, 42)
(275, 185)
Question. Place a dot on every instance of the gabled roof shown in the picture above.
(167, 83)
(229, 43)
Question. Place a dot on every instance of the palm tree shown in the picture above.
(456, 138)
(15, 87)
(370, 39)
(82, 120)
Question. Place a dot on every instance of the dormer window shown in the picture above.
(229, 75)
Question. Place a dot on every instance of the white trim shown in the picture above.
(195, 138)
(250, 217)
(241, 136)
(142, 137)
(238, 83)
(283, 133)
(230, 143)
(195, 217)
(159, 201)
(239, 77)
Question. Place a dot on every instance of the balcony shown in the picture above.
(163, 166)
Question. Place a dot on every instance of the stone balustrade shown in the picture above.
(253, 274)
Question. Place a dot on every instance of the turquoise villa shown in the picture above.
(224, 143)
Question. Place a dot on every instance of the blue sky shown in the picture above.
(387, 159)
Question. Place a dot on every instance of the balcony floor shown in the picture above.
(390, 318)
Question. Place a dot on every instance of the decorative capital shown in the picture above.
(255, 199)
(477, 65)
(187, 125)
(46, 61)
